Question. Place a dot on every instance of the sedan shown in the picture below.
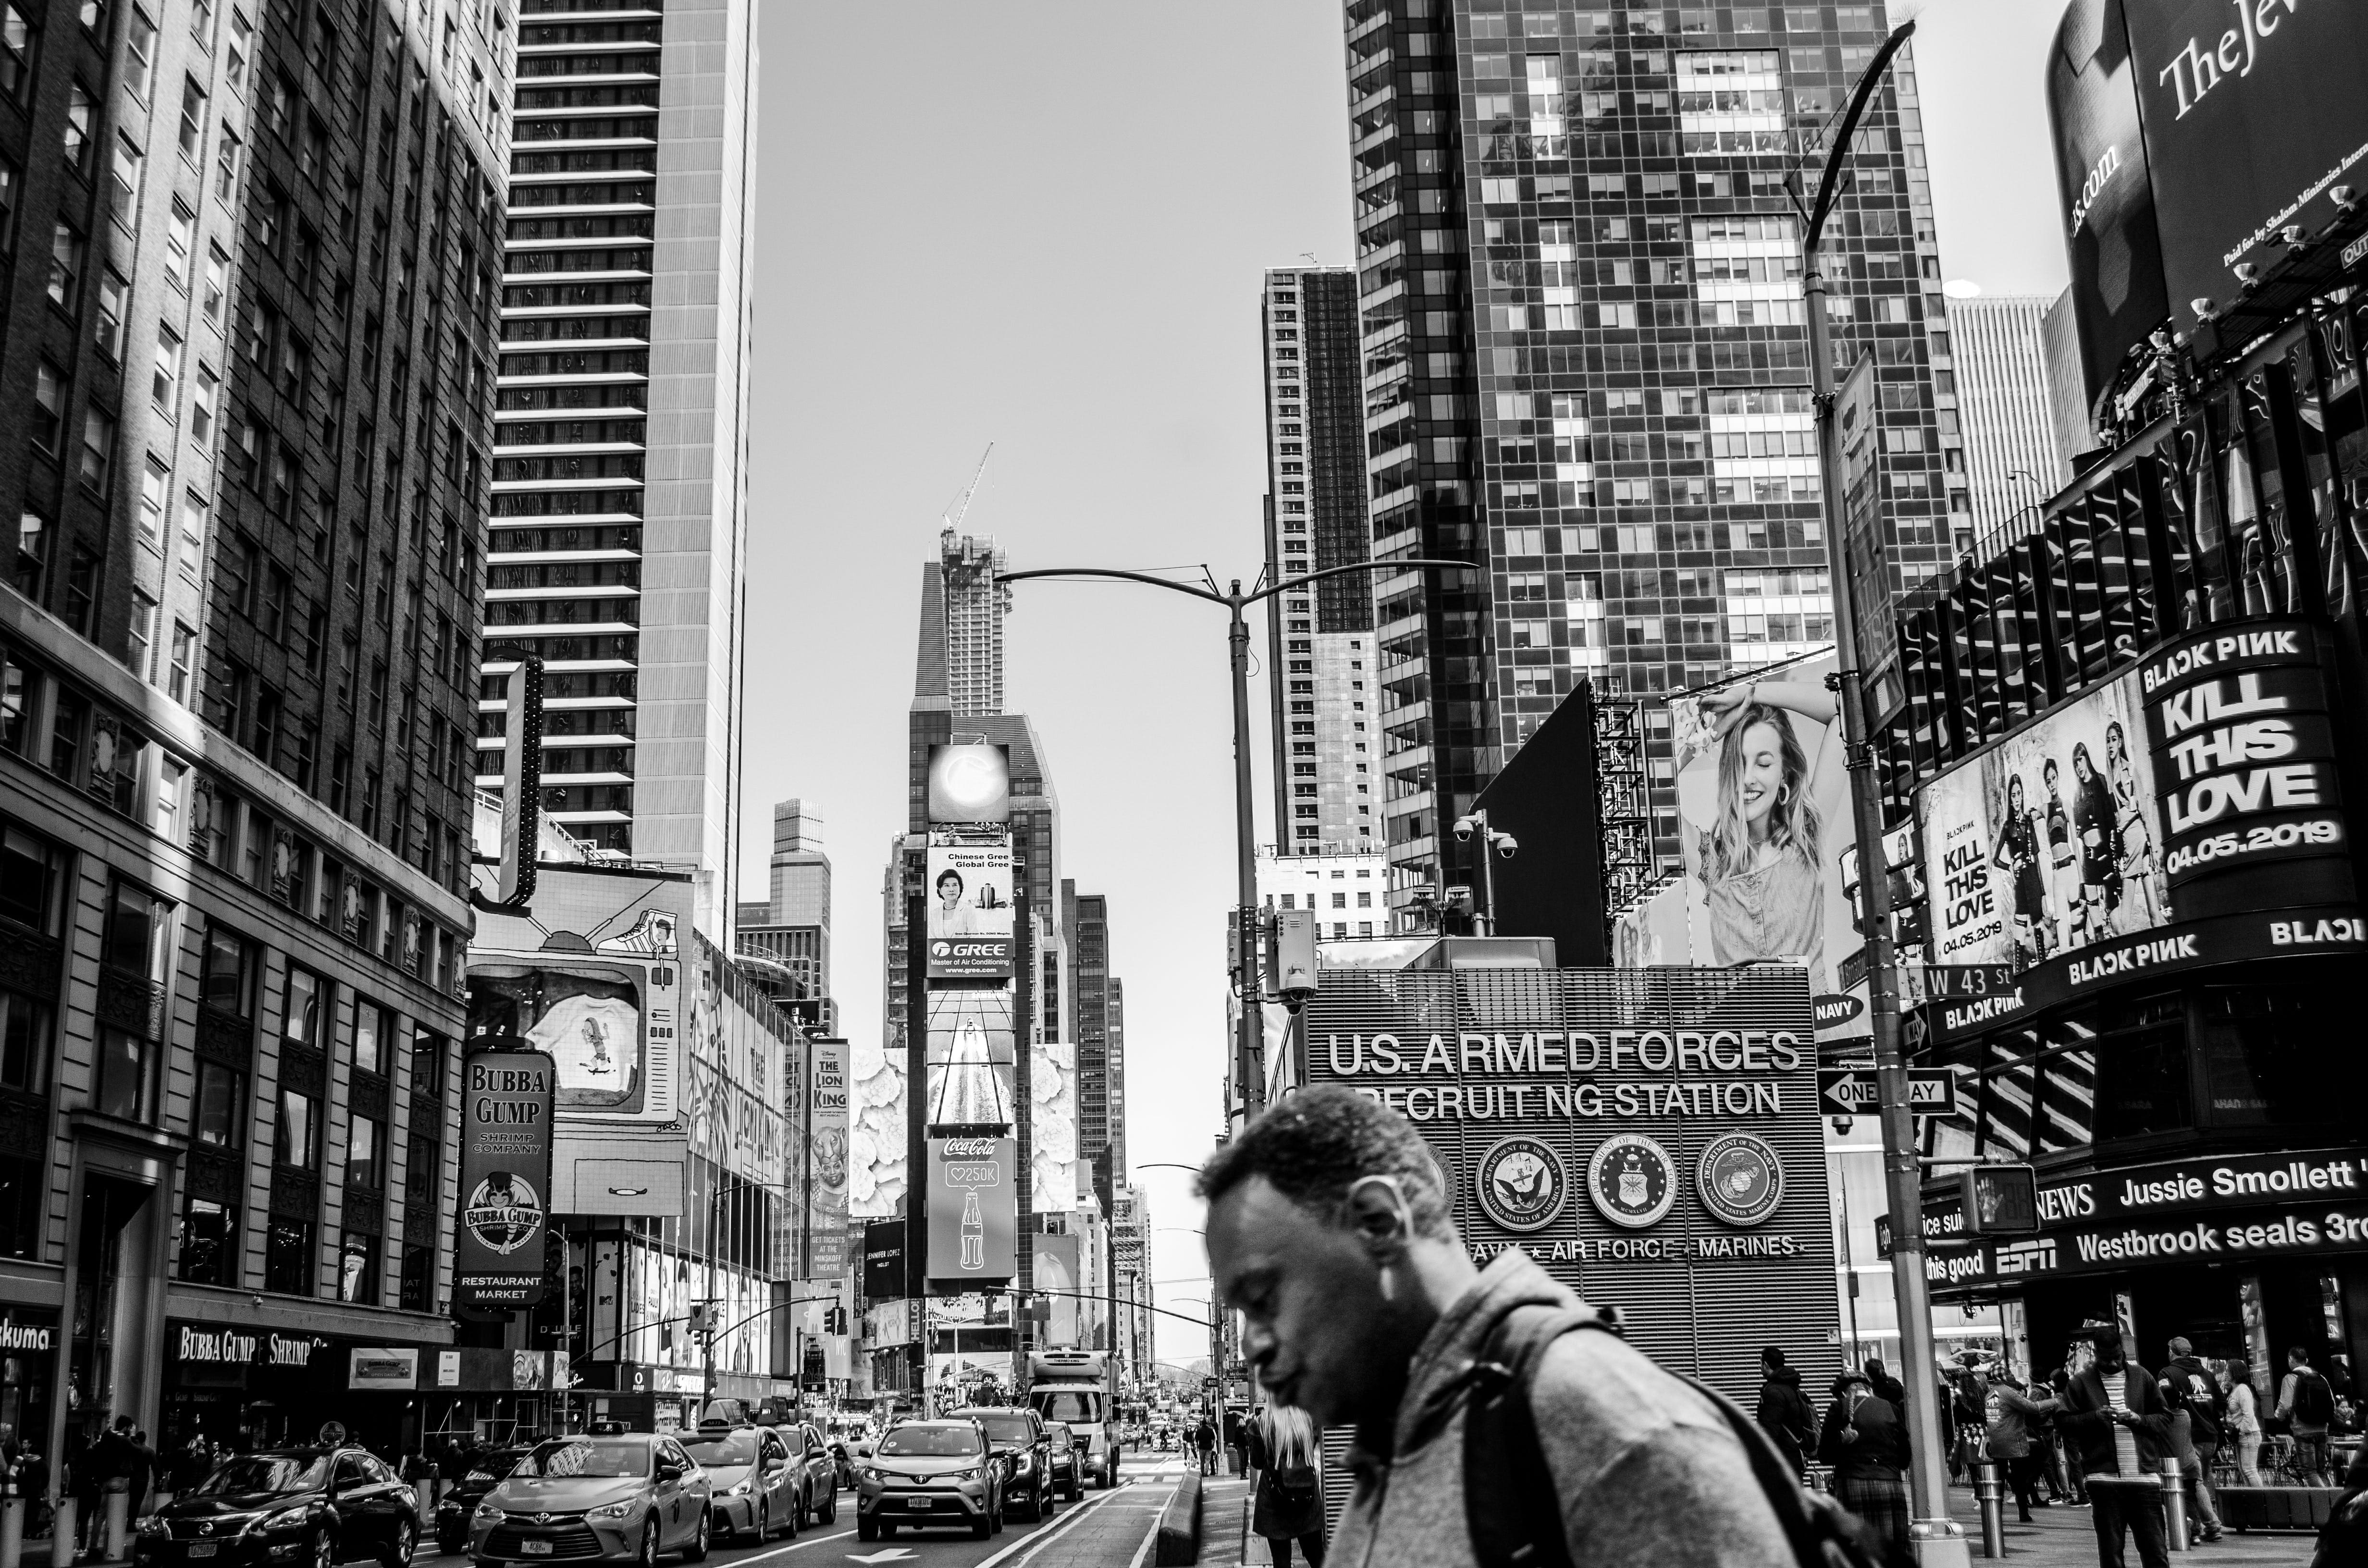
(624, 1497)
(929, 1473)
(485, 1470)
(752, 1488)
(285, 1508)
(1067, 1461)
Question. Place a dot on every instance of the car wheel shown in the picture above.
(981, 1527)
(696, 1551)
(648, 1557)
(398, 1554)
(325, 1551)
(764, 1522)
(832, 1518)
(867, 1529)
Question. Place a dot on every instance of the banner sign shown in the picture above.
(969, 905)
(974, 1209)
(971, 1058)
(1652, 1138)
(827, 1106)
(884, 1260)
(2106, 202)
(506, 1117)
(2185, 812)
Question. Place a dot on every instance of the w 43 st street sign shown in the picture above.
(1851, 1091)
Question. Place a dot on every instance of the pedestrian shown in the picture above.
(190, 1465)
(1204, 1444)
(1784, 1412)
(2011, 1417)
(1329, 1232)
(2343, 1540)
(1966, 1421)
(1287, 1501)
(2192, 1397)
(1865, 1439)
(2068, 1452)
(1237, 1450)
(1888, 1389)
(143, 1464)
(2244, 1419)
(2115, 1412)
(2307, 1406)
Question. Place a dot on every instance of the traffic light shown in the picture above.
(2000, 1200)
(702, 1317)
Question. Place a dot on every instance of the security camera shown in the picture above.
(1506, 845)
(1463, 829)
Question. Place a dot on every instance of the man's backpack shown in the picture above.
(1512, 1507)
(2314, 1402)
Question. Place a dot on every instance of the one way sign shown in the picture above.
(1849, 1091)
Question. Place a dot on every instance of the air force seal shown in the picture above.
(1521, 1184)
(1632, 1179)
(1739, 1179)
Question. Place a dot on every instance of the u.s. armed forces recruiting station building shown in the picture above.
(1651, 1136)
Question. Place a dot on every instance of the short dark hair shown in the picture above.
(1317, 1142)
(1773, 1355)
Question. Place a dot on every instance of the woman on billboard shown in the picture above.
(2135, 839)
(2062, 863)
(1762, 881)
(2097, 823)
(2018, 856)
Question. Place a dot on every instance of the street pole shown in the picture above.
(1936, 1539)
(1250, 1040)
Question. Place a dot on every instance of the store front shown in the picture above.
(253, 1388)
(28, 1356)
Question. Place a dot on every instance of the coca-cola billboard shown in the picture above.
(974, 1209)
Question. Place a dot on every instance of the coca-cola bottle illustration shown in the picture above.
(974, 1232)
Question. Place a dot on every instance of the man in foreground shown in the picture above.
(2113, 1412)
(1328, 1230)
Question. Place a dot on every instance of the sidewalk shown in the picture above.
(2063, 1537)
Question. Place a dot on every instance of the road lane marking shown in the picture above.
(1036, 1542)
(792, 1546)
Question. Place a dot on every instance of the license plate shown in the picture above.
(535, 1547)
(917, 1502)
(201, 1548)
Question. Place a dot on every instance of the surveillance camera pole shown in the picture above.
(1937, 1541)
(1249, 1046)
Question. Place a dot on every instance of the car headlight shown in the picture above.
(967, 1474)
(154, 1526)
(489, 1510)
(737, 1489)
(869, 1472)
(286, 1519)
(623, 1510)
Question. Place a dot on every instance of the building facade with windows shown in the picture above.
(251, 315)
(620, 521)
(2014, 455)
(1586, 361)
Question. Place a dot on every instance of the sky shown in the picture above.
(1041, 223)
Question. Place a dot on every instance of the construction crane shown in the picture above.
(960, 509)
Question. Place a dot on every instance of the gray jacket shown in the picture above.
(1647, 1469)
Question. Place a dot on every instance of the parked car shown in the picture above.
(614, 1497)
(486, 1467)
(930, 1472)
(311, 1506)
(753, 1490)
(1068, 1465)
(1018, 1435)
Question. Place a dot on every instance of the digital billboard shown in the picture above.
(968, 783)
(2105, 192)
(506, 1122)
(1764, 823)
(974, 1208)
(1651, 1138)
(969, 905)
(972, 1059)
(2172, 817)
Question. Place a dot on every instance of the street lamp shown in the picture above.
(1937, 1540)
(1249, 1038)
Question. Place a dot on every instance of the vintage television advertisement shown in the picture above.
(1650, 1137)
(970, 903)
(506, 1148)
(1764, 822)
(592, 973)
(2185, 812)
(973, 1212)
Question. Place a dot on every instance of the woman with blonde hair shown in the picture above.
(1761, 874)
(1288, 1504)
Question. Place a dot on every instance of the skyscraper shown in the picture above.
(792, 928)
(1320, 651)
(2013, 455)
(1098, 1035)
(1586, 361)
(252, 342)
(976, 601)
(620, 492)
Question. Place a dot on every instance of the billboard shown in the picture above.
(970, 783)
(2105, 191)
(2253, 114)
(827, 1150)
(1651, 1137)
(505, 1214)
(969, 905)
(2167, 819)
(1764, 822)
(974, 1209)
(521, 782)
(971, 1059)
(592, 973)
(1057, 1270)
(883, 1260)
(1548, 797)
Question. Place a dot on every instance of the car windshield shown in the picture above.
(495, 1463)
(723, 1448)
(266, 1473)
(1069, 1406)
(1008, 1429)
(590, 1458)
(1058, 1432)
(929, 1442)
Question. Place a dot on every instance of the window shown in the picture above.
(123, 186)
(194, 512)
(241, 48)
(205, 1250)
(125, 1075)
(30, 568)
(17, 35)
(164, 381)
(33, 880)
(373, 1035)
(287, 1257)
(81, 114)
(141, 639)
(67, 250)
(306, 999)
(295, 1131)
(217, 289)
(184, 653)
(138, 926)
(418, 1276)
(193, 119)
(366, 1153)
(228, 971)
(108, 332)
(357, 1268)
(49, 415)
(97, 448)
(201, 404)
(180, 229)
(426, 1067)
(8, 187)
(226, 157)
(215, 1106)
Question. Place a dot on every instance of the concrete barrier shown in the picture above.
(1180, 1526)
